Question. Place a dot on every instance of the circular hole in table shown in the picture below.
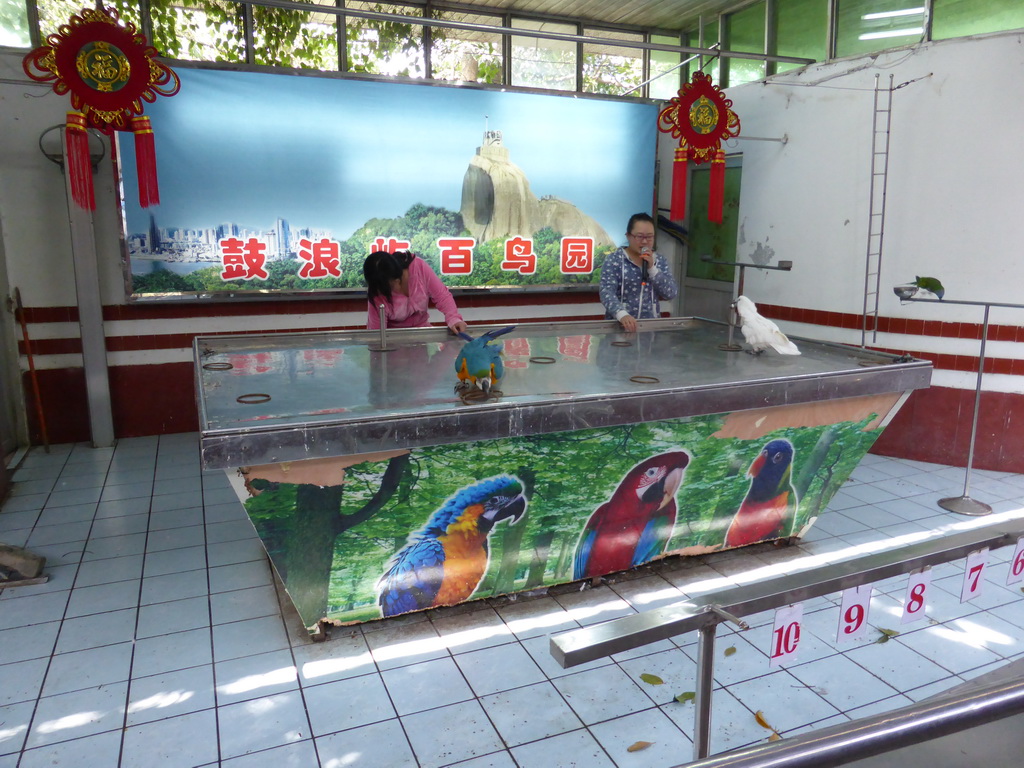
(252, 398)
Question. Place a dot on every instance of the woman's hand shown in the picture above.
(647, 254)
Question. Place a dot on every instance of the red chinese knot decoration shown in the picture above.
(109, 69)
(701, 118)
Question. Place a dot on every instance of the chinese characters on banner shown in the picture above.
(247, 259)
(243, 260)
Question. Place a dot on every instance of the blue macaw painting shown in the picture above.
(412, 530)
(443, 562)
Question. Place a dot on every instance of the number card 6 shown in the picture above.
(1017, 564)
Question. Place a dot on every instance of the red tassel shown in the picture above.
(79, 170)
(716, 191)
(145, 161)
(678, 207)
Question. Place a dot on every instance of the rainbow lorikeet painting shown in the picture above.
(769, 508)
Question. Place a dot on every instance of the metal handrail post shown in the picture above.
(705, 684)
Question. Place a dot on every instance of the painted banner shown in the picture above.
(364, 537)
(274, 183)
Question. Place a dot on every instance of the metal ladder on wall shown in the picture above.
(881, 121)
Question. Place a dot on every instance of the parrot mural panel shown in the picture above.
(636, 523)
(769, 508)
(444, 562)
(479, 364)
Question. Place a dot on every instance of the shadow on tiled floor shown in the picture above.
(161, 639)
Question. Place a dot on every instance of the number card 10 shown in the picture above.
(786, 634)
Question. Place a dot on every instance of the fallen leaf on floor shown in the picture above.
(682, 698)
(651, 679)
(639, 745)
(730, 650)
(759, 717)
(887, 635)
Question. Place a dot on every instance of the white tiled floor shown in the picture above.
(160, 639)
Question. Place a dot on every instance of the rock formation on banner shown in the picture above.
(497, 200)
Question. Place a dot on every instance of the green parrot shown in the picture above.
(930, 284)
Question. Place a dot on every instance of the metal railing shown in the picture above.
(870, 736)
(705, 613)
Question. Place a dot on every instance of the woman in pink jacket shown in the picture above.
(406, 286)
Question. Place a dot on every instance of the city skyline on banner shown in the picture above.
(299, 163)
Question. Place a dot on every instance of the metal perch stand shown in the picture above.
(964, 504)
(383, 346)
(783, 266)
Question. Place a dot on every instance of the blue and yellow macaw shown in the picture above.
(636, 523)
(478, 364)
(768, 509)
(443, 562)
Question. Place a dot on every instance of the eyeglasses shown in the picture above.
(641, 237)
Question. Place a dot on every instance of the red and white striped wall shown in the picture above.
(149, 353)
(935, 423)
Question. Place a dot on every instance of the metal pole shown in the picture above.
(90, 317)
(964, 504)
(673, 68)
(383, 347)
(705, 684)
(730, 345)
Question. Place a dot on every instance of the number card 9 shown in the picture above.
(853, 617)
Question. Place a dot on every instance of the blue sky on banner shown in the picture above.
(330, 154)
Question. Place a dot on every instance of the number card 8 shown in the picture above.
(917, 590)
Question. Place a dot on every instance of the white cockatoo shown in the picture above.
(760, 332)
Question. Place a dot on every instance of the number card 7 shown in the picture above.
(974, 575)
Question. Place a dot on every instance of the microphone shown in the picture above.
(643, 263)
